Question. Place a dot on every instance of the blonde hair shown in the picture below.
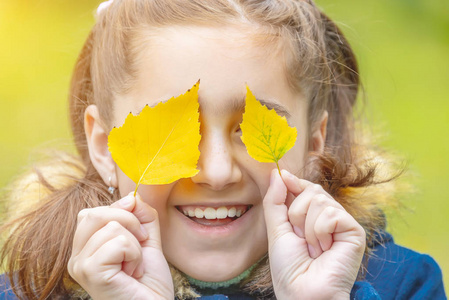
(318, 62)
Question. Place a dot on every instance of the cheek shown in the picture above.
(154, 195)
(125, 184)
(258, 175)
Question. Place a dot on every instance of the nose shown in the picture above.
(218, 168)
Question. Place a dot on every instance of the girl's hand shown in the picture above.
(117, 252)
(315, 246)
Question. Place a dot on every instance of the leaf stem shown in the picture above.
(135, 191)
(279, 170)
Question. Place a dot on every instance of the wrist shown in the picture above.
(342, 296)
(289, 295)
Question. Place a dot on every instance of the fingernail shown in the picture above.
(138, 197)
(139, 271)
(312, 251)
(298, 231)
(126, 201)
(288, 174)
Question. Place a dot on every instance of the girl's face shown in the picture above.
(229, 180)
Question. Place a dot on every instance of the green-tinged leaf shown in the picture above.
(266, 135)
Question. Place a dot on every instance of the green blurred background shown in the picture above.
(402, 47)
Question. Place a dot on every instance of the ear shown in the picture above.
(97, 143)
(318, 136)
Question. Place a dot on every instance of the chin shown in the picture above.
(215, 273)
(213, 267)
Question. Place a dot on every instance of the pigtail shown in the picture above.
(39, 242)
(349, 170)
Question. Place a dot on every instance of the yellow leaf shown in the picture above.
(160, 145)
(266, 135)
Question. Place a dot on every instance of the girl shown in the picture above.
(302, 235)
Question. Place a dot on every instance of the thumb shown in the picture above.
(154, 269)
(275, 210)
(149, 219)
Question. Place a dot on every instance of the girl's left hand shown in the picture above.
(315, 246)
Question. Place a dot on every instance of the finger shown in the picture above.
(300, 207)
(146, 215)
(149, 219)
(293, 183)
(303, 214)
(325, 227)
(318, 204)
(335, 227)
(299, 195)
(108, 260)
(81, 215)
(144, 212)
(275, 210)
(130, 267)
(116, 254)
(105, 234)
(138, 273)
(94, 219)
(126, 203)
(296, 185)
(141, 210)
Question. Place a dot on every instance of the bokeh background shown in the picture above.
(402, 47)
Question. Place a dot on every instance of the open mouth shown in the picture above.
(214, 216)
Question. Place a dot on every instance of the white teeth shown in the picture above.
(211, 213)
(231, 212)
(222, 212)
(199, 213)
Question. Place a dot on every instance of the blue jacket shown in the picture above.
(393, 272)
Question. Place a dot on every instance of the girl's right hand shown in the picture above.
(117, 252)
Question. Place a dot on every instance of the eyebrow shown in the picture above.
(278, 108)
(238, 105)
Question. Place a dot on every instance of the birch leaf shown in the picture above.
(266, 135)
(160, 145)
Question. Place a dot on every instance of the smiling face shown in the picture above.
(202, 234)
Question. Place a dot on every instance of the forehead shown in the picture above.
(224, 59)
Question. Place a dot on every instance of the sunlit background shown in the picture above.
(402, 47)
